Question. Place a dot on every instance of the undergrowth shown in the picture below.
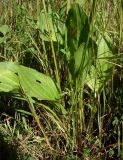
(78, 45)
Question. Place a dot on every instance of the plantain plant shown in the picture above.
(81, 51)
(74, 55)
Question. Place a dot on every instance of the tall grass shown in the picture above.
(79, 45)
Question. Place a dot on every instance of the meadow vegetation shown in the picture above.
(61, 79)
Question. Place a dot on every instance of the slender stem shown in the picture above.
(99, 121)
(68, 6)
(32, 109)
(38, 8)
(81, 111)
(52, 47)
(119, 142)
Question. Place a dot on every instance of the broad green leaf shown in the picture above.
(93, 80)
(77, 35)
(82, 60)
(4, 29)
(84, 56)
(80, 56)
(8, 78)
(57, 28)
(101, 72)
(77, 27)
(14, 77)
(37, 85)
